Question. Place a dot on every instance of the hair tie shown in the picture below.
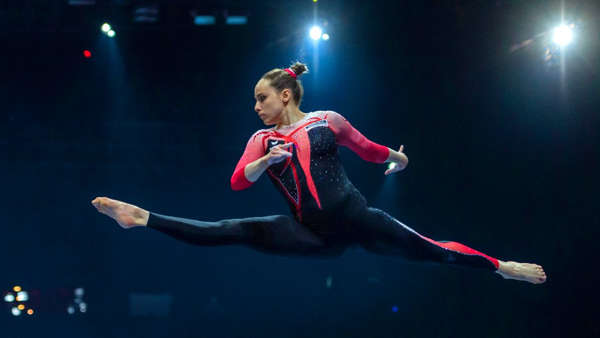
(291, 72)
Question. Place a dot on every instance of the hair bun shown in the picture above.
(299, 68)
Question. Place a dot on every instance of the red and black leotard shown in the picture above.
(330, 214)
(313, 179)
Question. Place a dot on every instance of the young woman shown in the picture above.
(300, 155)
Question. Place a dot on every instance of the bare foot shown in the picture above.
(127, 215)
(527, 272)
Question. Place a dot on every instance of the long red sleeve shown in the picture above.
(254, 150)
(349, 137)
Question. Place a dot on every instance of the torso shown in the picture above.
(313, 180)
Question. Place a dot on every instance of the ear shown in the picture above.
(286, 95)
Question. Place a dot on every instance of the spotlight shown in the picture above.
(111, 33)
(22, 296)
(106, 27)
(325, 37)
(30, 312)
(147, 13)
(79, 292)
(17, 288)
(329, 282)
(82, 2)
(15, 311)
(87, 54)
(563, 35)
(316, 32)
(9, 298)
(236, 20)
(204, 20)
(394, 308)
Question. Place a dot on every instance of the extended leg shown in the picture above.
(383, 234)
(272, 234)
(276, 234)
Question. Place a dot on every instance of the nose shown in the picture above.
(257, 108)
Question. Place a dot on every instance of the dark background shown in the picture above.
(503, 149)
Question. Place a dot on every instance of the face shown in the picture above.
(269, 103)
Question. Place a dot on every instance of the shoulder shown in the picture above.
(328, 115)
(335, 120)
(259, 135)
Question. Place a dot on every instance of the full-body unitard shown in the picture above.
(329, 213)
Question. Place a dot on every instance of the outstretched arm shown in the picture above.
(368, 150)
(398, 158)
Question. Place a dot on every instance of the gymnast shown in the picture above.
(299, 153)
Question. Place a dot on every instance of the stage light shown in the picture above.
(30, 312)
(22, 296)
(79, 292)
(71, 309)
(9, 298)
(394, 308)
(87, 54)
(111, 33)
(204, 20)
(83, 307)
(82, 2)
(563, 35)
(21, 307)
(236, 20)
(146, 13)
(316, 32)
(17, 288)
(106, 27)
(325, 37)
(15, 311)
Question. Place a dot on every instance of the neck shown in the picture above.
(290, 115)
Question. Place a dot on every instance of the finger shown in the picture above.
(401, 148)
(280, 158)
(285, 145)
(282, 155)
(281, 152)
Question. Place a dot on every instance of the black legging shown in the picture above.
(373, 229)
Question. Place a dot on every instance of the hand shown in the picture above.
(277, 154)
(399, 163)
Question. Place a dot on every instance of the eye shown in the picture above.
(261, 98)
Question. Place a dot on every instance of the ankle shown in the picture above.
(503, 267)
(141, 217)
